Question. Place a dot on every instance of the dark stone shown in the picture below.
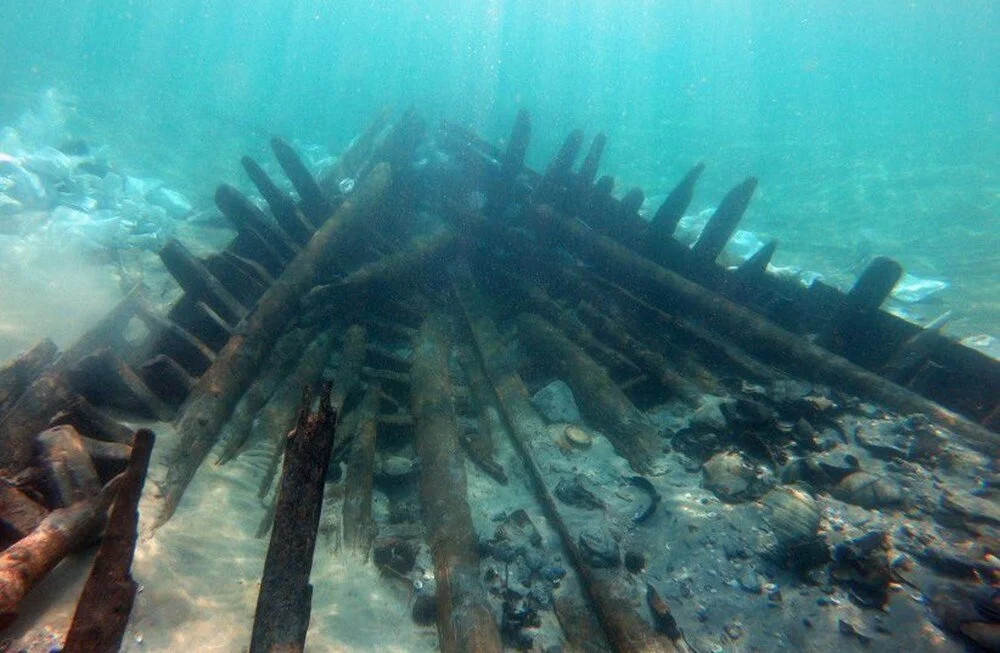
(863, 565)
(572, 491)
(395, 554)
(424, 611)
(599, 549)
(635, 561)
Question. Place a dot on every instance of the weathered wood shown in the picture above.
(358, 521)
(386, 375)
(707, 343)
(91, 423)
(29, 416)
(314, 203)
(17, 375)
(198, 318)
(590, 165)
(104, 379)
(664, 222)
(357, 154)
(352, 358)
(247, 217)
(218, 390)
(501, 186)
(536, 299)
(481, 444)
(277, 416)
(743, 327)
(464, 619)
(282, 205)
(173, 340)
(167, 379)
(279, 364)
(559, 169)
(625, 630)
(64, 530)
(237, 276)
(757, 264)
(103, 609)
(70, 475)
(109, 458)
(389, 274)
(19, 514)
(912, 354)
(281, 618)
(724, 221)
(652, 362)
(199, 283)
(600, 400)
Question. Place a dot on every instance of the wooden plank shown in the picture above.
(464, 618)
(284, 604)
(103, 609)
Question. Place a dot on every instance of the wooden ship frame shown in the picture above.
(550, 262)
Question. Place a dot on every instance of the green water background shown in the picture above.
(871, 125)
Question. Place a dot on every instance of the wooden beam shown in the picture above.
(753, 332)
(625, 629)
(218, 390)
(106, 602)
(284, 603)
(464, 618)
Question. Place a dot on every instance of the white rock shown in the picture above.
(911, 289)
(176, 205)
(140, 187)
(26, 187)
(9, 205)
(50, 162)
(555, 402)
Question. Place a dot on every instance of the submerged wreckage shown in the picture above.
(853, 451)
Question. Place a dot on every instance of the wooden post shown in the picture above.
(106, 602)
(359, 524)
(285, 600)
(463, 615)
(218, 390)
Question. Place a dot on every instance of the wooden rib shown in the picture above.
(724, 221)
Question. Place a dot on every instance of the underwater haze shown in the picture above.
(540, 421)
(872, 126)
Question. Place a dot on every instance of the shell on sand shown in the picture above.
(578, 437)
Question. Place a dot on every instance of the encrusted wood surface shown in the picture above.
(106, 602)
(218, 390)
(464, 619)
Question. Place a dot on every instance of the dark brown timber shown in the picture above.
(742, 326)
(33, 557)
(464, 620)
(285, 600)
(220, 387)
(106, 602)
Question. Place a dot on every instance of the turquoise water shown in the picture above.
(872, 126)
